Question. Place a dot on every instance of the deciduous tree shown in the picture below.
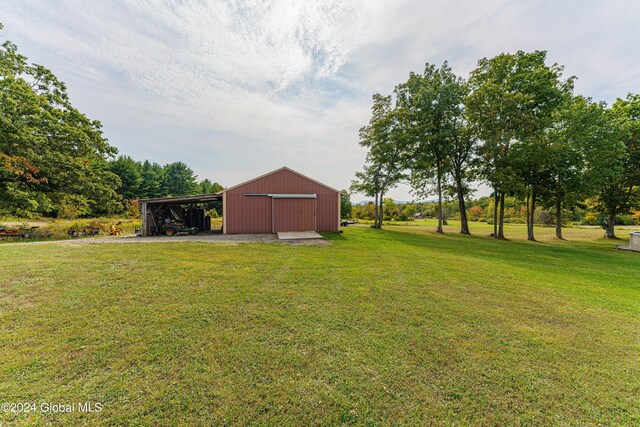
(619, 185)
(385, 139)
(345, 204)
(50, 153)
(577, 145)
(513, 97)
(432, 104)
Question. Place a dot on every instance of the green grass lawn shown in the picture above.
(399, 326)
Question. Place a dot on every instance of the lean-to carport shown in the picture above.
(156, 210)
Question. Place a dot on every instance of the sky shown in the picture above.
(238, 88)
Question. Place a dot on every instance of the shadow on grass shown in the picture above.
(335, 237)
(582, 258)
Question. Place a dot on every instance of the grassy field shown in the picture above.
(399, 326)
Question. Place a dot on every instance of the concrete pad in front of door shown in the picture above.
(298, 235)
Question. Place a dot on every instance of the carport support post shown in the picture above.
(145, 232)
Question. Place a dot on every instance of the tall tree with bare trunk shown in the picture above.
(513, 97)
(384, 138)
(432, 103)
(580, 155)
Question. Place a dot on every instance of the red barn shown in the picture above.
(282, 200)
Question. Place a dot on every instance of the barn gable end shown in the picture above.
(282, 200)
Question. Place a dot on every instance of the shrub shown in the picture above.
(132, 208)
(475, 213)
(626, 220)
(72, 206)
(592, 218)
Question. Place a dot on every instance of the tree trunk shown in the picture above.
(501, 218)
(381, 212)
(439, 230)
(558, 219)
(532, 217)
(609, 228)
(464, 224)
(375, 212)
(495, 212)
(528, 212)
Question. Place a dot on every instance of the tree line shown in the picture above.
(514, 123)
(55, 161)
(148, 180)
(481, 210)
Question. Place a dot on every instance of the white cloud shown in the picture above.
(242, 87)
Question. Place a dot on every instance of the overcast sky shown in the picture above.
(236, 89)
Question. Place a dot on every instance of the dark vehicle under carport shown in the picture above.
(182, 214)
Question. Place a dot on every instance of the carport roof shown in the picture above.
(199, 198)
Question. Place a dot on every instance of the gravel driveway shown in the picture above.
(203, 237)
